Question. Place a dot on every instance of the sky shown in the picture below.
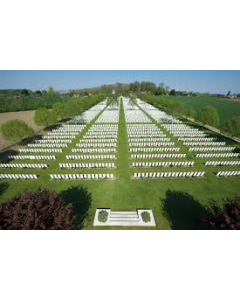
(197, 81)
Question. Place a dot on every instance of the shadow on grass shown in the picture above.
(183, 211)
(64, 120)
(81, 200)
(52, 127)
(30, 140)
(3, 187)
(4, 155)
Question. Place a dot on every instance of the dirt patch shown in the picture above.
(26, 116)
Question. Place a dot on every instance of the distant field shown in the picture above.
(26, 116)
(227, 108)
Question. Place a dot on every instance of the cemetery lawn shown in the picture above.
(177, 203)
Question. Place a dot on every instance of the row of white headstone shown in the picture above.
(95, 150)
(18, 176)
(62, 135)
(223, 163)
(150, 144)
(53, 141)
(33, 157)
(154, 149)
(24, 166)
(206, 155)
(163, 164)
(228, 173)
(211, 149)
(141, 156)
(81, 176)
(47, 145)
(169, 174)
(196, 139)
(149, 139)
(67, 128)
(94, 145)
(26, 150)
(87, 165)
(99, 135)
(97, 140)
(99, 157)
(204, 143)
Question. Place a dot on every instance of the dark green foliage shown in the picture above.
(225, 218)
(16, 130)
(41, 209)
(146, 216)
(24, 92)
(103, 216)
(22, 102)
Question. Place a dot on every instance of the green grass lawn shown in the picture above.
(176, 203)
(225, 107)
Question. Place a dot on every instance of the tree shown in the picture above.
(189, 112)
(16, 130)
(24, 92)
(41, 209)
(172, 93)
(227, 217)
(44, 117)
(51, 90)
(232, 126)
(60, 110)
(209, 115)
(38, 93)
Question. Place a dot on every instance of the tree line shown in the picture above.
(16, 130)
(27, 100)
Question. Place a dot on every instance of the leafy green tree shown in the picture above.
(16, 130)
(209, 116)
(189, 112)
(51, 90)
(60, 110)
(45, 117)
(24, 92)
(38, 93)
(172, 93)
(232, 126)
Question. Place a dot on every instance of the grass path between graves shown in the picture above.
(177, 203)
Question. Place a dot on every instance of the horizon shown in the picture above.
(214, 82)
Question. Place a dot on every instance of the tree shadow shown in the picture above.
(3, 187)
(4, 155)
(52, 127)
(30, 140)
(183, 211)
(64, 120)
(81, 200)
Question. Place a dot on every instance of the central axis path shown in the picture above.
(123, 169)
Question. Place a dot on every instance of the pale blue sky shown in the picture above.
(198, 81)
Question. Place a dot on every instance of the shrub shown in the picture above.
(102, 216)
(45, 117)
(227, 217)
(41, 209)
(16, 130)
(146, 216)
